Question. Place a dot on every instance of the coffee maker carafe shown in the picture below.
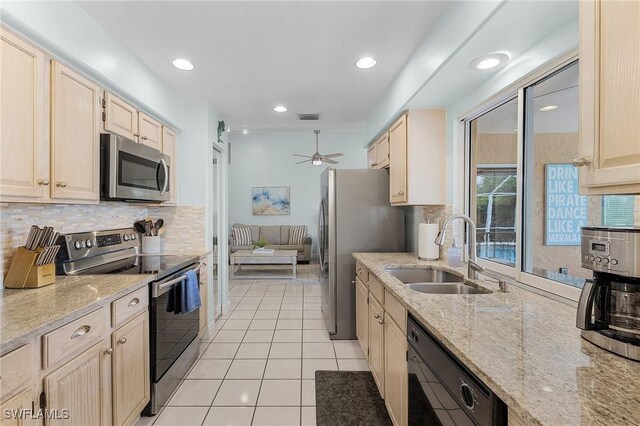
(609, 306)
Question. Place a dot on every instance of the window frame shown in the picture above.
(514, 91)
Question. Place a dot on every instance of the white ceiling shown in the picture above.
(251, 56)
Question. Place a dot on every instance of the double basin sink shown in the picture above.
(434, 281)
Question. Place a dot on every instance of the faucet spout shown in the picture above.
(473, 267)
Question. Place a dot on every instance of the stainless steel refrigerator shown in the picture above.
(355, 216)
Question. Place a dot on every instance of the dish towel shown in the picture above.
(190, 299)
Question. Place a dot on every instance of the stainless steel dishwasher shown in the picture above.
(442, 391)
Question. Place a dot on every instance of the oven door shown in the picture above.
(170, 332)
(132, 171)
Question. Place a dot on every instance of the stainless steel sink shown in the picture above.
(421, 275)
(445, 288)
(434, 281)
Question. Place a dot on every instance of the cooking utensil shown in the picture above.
(139, 225)
(159, 224)
(162, 230)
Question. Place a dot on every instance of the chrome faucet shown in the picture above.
(473, 267)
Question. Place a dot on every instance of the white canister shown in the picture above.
(427, 247)
(151, 245)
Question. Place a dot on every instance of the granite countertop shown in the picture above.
(524, 346)
(25, 313)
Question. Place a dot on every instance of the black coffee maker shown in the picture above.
(609, 306)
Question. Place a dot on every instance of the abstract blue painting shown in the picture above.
(270, 201)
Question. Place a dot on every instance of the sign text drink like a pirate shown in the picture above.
(565, 210)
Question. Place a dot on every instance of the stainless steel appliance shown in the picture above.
(442, 390)
(355, 216)
(172, 336)
(131, 171)
(609, 306)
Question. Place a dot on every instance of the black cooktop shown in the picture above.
(162, 265)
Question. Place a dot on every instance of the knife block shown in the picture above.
(23, 273)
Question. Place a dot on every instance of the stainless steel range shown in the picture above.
(172, 335)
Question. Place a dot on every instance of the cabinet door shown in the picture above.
(12, 411)
(120, 117)
(169, 148)
(395, 373)
(131, 385)
(150, 131)
(610, 97)
(371, 156)
(24, 148)
(362, 316)
(79, 387)
(398, 161)
(75, 131)
(376, 343)
(382, 151)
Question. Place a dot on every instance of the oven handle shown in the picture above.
(166, 176)
(158, 289)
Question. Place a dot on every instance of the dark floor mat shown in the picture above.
(349, 398)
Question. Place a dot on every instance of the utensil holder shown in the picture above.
(23, 273)
(151, 245)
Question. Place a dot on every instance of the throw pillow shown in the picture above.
(242, 236)
(297, 234)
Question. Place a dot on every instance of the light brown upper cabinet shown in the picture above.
(378, 153)
(120, 118)
(417, 169)
(150, 131)
(169, 148)
(371, 156)
(609, 158)
(24, 146)
(75, 129)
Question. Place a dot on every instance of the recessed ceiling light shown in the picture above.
(280, 108)
(245, 131)
(183, 64)
(549, 108)
(488, 61)
(366, 62)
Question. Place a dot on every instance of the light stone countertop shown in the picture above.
(524, 346)
(25, 313)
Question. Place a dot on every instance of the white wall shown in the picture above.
(265, 159)
(71, 34)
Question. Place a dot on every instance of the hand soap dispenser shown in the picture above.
(453, 255)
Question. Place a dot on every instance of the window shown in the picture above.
(541, 246)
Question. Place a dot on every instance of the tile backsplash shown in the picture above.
(185, 224)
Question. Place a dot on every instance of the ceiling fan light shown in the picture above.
(316, 162)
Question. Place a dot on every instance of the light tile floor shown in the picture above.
(257, 364)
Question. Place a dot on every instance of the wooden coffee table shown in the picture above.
(278, 257)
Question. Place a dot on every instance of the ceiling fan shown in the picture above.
(317, 159)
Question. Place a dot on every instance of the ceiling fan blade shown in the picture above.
(336, 154)
(328, 161)
(305, 161)
(300, 155)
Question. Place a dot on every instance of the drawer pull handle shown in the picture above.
(581, 161)
(108, 351)
(81, 331)
(144, 138)
(134, 301)
(376, 316)
(61, 184)
(359, 270)
(380, 321)
(400, 193)
(137, 135)
(122, 340)
(43, 182)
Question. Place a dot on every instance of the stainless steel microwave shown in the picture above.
(130, 171)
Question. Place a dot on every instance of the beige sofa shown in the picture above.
(278, 238)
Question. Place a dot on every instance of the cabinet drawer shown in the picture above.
(129, 306)
(362, 272)
(72, 338)
(15, 370)
(395, 310)
(376, 289)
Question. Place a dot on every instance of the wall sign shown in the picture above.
(565, 210)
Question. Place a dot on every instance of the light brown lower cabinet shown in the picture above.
(376, 343)
(395, 372)
(362, 317)
(12, 411)
(76, 393)
(130, 361)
